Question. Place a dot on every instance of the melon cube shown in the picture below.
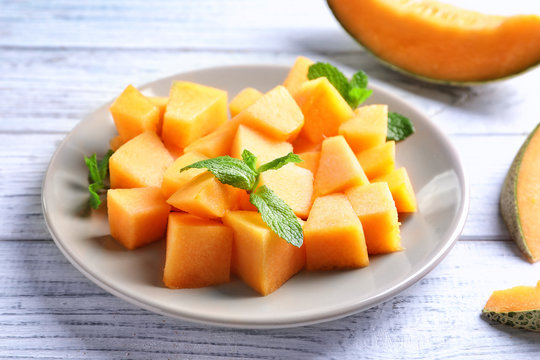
(302, 144)
(116, 142)
(133, 114)
(275, 114)
(137, 216)
(333, 235)
(310, 160)
(298, 74)
(260, 258)
(173, 179)
(244, 99)
(401, 189)
(218, 142)
(198, 252)
(264, 147)
(140, 162)
(374, 206)
(367, 128)
(378, 160)
(161, 103)
(338, 168)
(292, 184)
(193, 111)
(323, 107)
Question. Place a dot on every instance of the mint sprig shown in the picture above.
(244, 174)
(399, 127)
(97, 173)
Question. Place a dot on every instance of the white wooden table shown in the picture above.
(61, 59)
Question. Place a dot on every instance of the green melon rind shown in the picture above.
(508, 201)
(430, 79)
(527, 320)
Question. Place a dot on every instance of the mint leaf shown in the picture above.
(277, 215)
(358, 96)
(333, 75)
(94, 174)
(95, 201)
(97, 173)
(228, 170)
(399, 127)
(280, 162)
(359, 80)
(103, 165)
(250, 159)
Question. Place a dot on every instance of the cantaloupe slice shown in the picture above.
(140, 162)
(262, 146)
(218, 142)
(338, 168)
(134, 114)
(173, 179)
(520, 197)
(333, 235)
(244, 99)
(401, 188)
(137, 216)
(323, 107)
(297, 74)
(378, 160)
(518, 307)
(367, 128)
(116, 142)
(161, 103)
(260, 258)
(275, 114)
(310, 160)
(193, 111)
(198, 252)
(374, 206)
(302, 144)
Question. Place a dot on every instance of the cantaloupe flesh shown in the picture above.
(297, 74)
(310, 160)
(333, 235)
(440, 41)
(302, 144)
(198, 252)
(528, 196)
(244, 99)
(173, 179)
(260, 258)
(401, 188)
(140, 162)
(218, 142)
(367, 128)
(379, 160)
(161, 103)
(137, 216)
(261, 145)
(519, 298)
(116, 142)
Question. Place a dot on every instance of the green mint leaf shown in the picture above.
(103, 165)
(280, 162)
(93, 169)
(95, 201)
(250, 159)
(359, 80)
(358, 96)
(277, 215)
(333, 75)
(399, 127)
(97, 173)
(228, 170)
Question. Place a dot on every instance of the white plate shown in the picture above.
(434, 167)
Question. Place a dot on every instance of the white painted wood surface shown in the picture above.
(61, 59)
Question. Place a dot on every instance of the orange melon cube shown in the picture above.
(292, 184)
(218, 142)
(401, 189)
(333, 235)
(338, 168)
(133, 114)
(298, 74)
(378, 160)
(260, 258)
(244, 99)
(140, 162)
(161, 103)
(193, 111)
(264, 147)
(323, 107)
(204, 196)
(173, 179)
(374, 206)
(275, 114)
(367, 128)
(198, 252)
(301, 144)
(137, 216)
(310, 160)
(116, 142)
(244, 203)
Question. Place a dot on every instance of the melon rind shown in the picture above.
(527, 320)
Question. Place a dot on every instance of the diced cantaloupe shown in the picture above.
(323, 107)
(264, 147)
(333, 235)
(244, 203)
(292, 184)
(161, 103)
(137, 216)
(367, 128)
(116, 142)
(244, 99)
(401, 189)
(193, 111)
(338, 168)
(198, 252)
(275, 114)
(374, 206)
(298, 74)
(302, 144)
(134, 114)
(260, 258)
(173, 179)
(310, 160)
(140, 162)
(204, 196)
(218, 142)
(378, 160)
